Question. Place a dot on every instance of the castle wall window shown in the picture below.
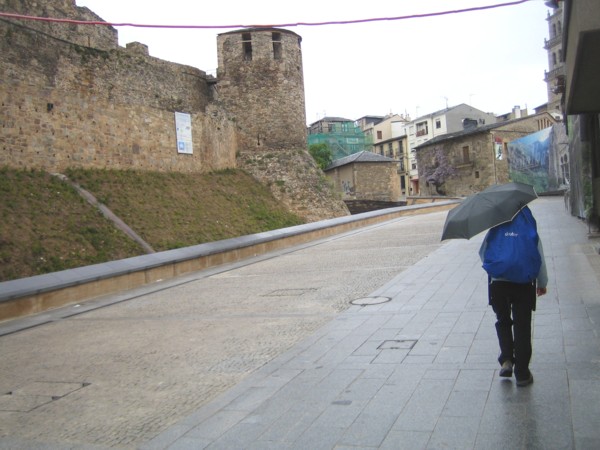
(277, 50)
(247, 46)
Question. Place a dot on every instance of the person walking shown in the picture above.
(514, 302)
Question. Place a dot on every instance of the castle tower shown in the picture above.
(260, 82)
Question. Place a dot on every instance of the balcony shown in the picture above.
(552, 42)
(554, 73)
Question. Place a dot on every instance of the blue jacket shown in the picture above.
(542, 278)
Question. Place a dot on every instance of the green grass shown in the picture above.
(46, 226)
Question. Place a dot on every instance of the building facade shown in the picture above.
(555, 75)
(449, 120)
(581, 103)
(390, 140)
(366, 181)
(468, 161)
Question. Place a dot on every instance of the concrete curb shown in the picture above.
(40, 293)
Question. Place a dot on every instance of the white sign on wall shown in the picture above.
(183, 128)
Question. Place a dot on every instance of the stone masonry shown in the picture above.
(72, 97)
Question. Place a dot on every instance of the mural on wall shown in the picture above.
(532, 159)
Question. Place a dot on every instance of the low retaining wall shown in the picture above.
(40, 293)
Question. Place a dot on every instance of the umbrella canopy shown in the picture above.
(486, 209)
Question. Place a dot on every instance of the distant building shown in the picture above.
(366, 181)
(367, 125)
(449, 120)
(468, 161)
(390, 139)
(343, 136)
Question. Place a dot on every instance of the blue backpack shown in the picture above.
(512, 249)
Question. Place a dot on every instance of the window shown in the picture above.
(247, 46)
(379, 134)
(477, 174)
(400, 148)
(390, 150)
(276, 45)
(422, 129)
(438, 124)
(465, 154)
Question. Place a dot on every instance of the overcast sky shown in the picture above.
(492, 59)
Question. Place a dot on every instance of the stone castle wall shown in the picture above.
(65, 104)
(100, 37)
(71, 97)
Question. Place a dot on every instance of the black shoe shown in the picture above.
(526, 381)
(506, 369)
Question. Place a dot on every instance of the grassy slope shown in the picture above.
(46, 226)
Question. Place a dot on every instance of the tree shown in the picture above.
(439, 171)
(322, 154)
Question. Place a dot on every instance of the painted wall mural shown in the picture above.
(540, 159)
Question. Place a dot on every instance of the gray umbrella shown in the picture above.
(486, 209)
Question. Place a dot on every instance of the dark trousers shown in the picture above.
(513, 304)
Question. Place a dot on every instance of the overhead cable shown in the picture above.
(295, 24)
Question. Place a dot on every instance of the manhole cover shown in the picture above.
(365, 301)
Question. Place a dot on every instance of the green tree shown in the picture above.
(322, 154)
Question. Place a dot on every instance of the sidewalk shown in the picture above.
(419, 371)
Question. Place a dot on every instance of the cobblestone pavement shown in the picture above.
(119, 374)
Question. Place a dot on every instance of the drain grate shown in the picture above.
(37, 393)
(402, 344)
(366, 301)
